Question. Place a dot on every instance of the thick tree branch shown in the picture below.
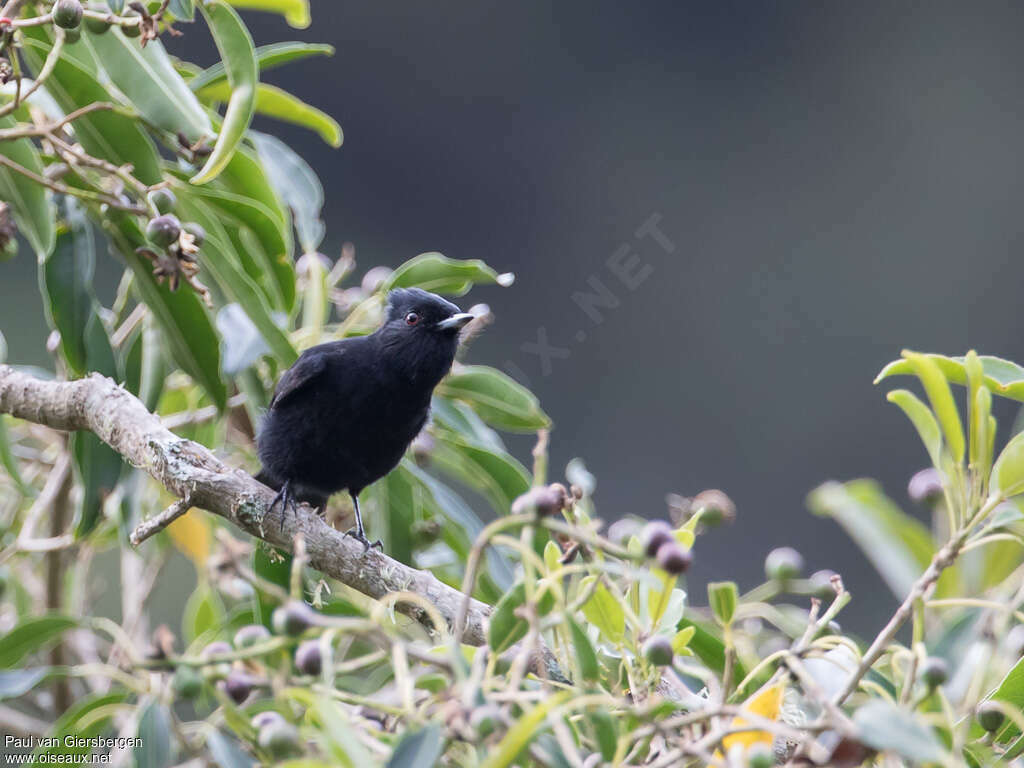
(190, 471)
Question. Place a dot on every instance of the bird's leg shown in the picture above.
(359, 534)
(286, 499)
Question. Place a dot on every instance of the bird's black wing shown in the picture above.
(307, 369)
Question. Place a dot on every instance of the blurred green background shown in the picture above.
(838, 181)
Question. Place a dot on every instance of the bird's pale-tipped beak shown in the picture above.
(455, 322)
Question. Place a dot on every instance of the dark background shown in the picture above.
(839, 181)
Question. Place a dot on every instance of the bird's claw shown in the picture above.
(359, 536)
(287, 500)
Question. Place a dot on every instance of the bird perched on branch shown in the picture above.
(342, 416)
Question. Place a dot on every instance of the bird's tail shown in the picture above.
(264, 477)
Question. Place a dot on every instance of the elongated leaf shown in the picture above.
(506, 627)
(154, 749)
(267, 57)
(604, 611)
(278, 103)
(923, 420)
(98, 468)
(182, 9)
(586, 658)
(295, 12)
(398, 503)
(237, 213)
(219, 259)
(203, 612)
(496, 475)
(108, 135)
(30, 635)
(888, 728)
(439, 274)
(148, 78)
(497, 398)
(898, 546)
(298, 185)
(226, 752)
(523, 732)
(7, 459)
(17, 682)
(1002, 377)
(87, 717)
(418, 749)
(941, 399)
(65, 281)
(1008, 471)
(180, 314)
(239, 56)
(30, 201)
(723, 598)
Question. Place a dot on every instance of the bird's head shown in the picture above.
(423, 329)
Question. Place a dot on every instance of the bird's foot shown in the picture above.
(359, 536)
(287, 500)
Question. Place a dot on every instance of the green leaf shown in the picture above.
(30, 635)
(148, 78)
(295, 12)
(1009, 691)
(1008, 471)
(523, 732)
(219, 259)
(897, 545)
(154, 749)
(497, 398)
(7, 459)
(439, 274)
(604, 611)
(204, 612)
(225, 751)
(506, 628)
(723, 597)
(681, 640)
(250, 176)
(98, 468)
(497, 475)
(398, 504)
(418, 749)
(186, 326)
(937, 389)
(586, 658)
(267, 57)
(298, 185)
(887, 728)
(74, 83)
(18, 682)
(706, 643)
(1002, 377)
(342, 744)
(65, 281)
(923, 420)
(239, 56)
(276, 570)
(182, 9)
(278, 103)
(606, 733)
(87, 718)
(30, 201)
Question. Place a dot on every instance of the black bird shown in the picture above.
(344, 413)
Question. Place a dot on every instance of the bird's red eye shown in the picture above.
(412, 318)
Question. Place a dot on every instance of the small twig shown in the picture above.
(24, 131)
(64, 189)
(156, 524)
(44, 73)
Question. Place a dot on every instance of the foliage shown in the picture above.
(595, 653)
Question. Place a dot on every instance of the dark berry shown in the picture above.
(67, 14)
(783, 564)
(658, 651)
(250, 635)
(673, 559)
(308, 659)
(654, 534)
(163, 230)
